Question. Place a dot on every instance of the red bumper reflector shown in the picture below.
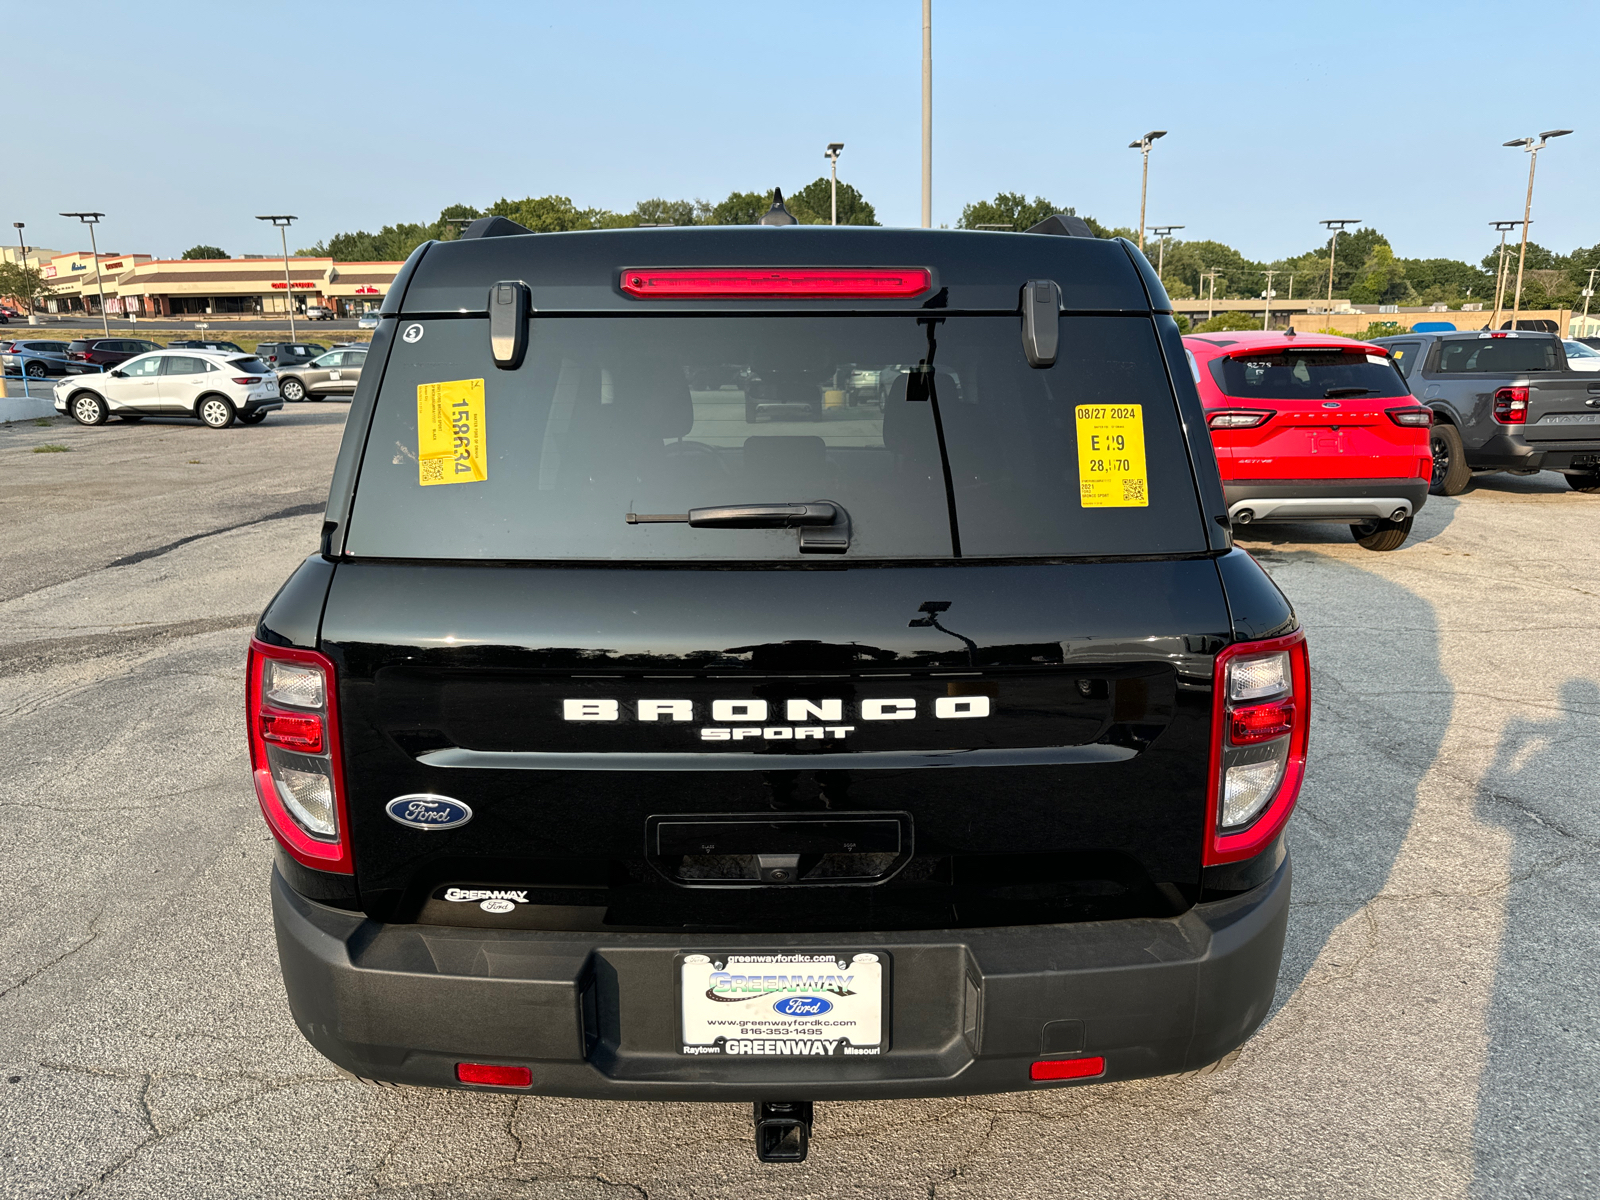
(493, 1076)
(1068, 1068)
(669, 283)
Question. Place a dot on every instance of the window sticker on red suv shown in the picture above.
(1111, 467)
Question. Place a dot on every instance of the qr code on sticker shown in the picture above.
(432, 470)
(1133, 489)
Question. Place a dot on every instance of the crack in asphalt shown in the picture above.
(294, 510)
(60, 958)
(20, 655)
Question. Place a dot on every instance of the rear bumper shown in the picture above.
(1323, 499)
(968, 1010)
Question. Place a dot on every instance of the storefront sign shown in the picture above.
(366, 291)
(297, 284)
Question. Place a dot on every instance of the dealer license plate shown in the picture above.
(782, 1005)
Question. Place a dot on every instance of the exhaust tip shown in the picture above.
(1244, 516)
(1400, 514)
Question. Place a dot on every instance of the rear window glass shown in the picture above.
(1305, 375)
(658, 415)
(1504, 356)
(79, 345)
(250, 366)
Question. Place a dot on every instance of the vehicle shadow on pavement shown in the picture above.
(1535, 1128)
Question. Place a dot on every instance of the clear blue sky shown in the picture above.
(182, 121)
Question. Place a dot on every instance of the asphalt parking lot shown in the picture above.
(1433, 1034)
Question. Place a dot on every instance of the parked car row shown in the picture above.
(1314, 427)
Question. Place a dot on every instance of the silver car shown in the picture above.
(335, 373)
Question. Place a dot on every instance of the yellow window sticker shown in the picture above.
(451, 442)
(1111, 472)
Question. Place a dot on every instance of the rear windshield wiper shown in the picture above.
(1335, 393)
(824, 525)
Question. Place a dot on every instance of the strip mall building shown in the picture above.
(138, 285)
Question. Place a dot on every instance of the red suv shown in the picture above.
(1312, 427)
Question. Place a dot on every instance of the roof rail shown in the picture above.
(493, 227)
(1063, 225)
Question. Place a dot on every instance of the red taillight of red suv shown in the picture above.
(293, 717)
(1259, 729)
(1511, 406)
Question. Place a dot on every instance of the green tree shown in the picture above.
(741, 208)
(1229, 322)
(671, 212)
(22, 283)
(204, 251)
(810, 204)
(1011, 209)
(1377, 329)
(1237, 276)
(545, 214)
(1382, 279)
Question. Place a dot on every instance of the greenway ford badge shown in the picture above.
(428, 812)
(782, 1005)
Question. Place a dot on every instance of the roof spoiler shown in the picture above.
(1063, 225)
(493, 227)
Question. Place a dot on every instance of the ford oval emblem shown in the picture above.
(428, 812)
(1330, 404)
(803, 1006)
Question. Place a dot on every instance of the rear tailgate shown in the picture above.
(1303, 440)
(1036, 753)
(1565, 409)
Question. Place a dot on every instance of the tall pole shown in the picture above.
(1162, 232)
(1336, 227)
(283, 222)
(1533, 149)
(1143, 147)
(1587, 292)
(91, 219)
(1266, 318)
(832, 155)
(1500, 275)
(22, 261)
(927, 114)
(1291, 287)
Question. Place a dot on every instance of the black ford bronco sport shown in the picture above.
(914, 731)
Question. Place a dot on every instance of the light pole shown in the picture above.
(1583, 325)
(1336, 227)
(1143, 147)
(1212, 303)
(1266, 318)
(1291, 288)
(927, 114)
(832, 155)
(1163, 232)
(91, 220)
(1533, 149)
(283, 223)
(22, 261)
(1500, 275)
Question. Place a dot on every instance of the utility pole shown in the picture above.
(91, 220)
(1266, 318)
(1212, 303)
(1587, 292)
(1527, 144)
(1336, 227)
(1143, 147)
(1162, 232)
(832, 155)
(283, 223)
(1500, 276)
(1291, 287)
(927, 114)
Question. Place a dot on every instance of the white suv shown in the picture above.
(214, 385)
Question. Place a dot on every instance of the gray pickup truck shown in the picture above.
(1502, 401)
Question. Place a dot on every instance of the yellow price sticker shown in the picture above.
(451, 441)
(1111, 471)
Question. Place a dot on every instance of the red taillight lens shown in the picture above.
(1511, 406)
(1238, 419)
(1260, 722)
(291, 711)
(491, 1075)
(247, 379)
(297, 732)
(1068, 1068)
(1412, 415)
(761, 283)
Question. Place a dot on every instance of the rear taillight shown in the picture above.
(1237, 418)
(813, 283)
(247, 379)
(1511, 406)
(1412, 415)
(292, 712)
(1258, 744)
